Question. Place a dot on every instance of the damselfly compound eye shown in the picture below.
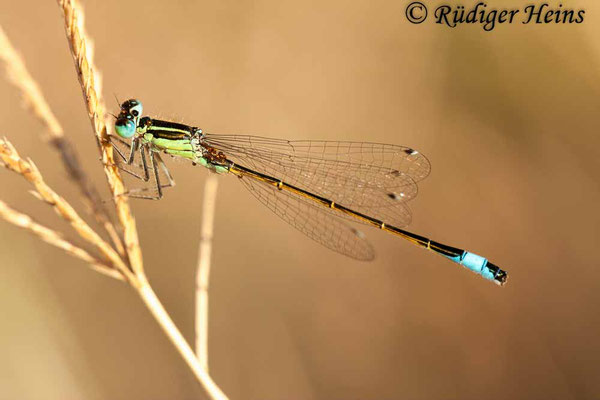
(125, 127)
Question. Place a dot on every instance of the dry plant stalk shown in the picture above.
(89, 80)
(125, 264)
(19, 76)
(32, 95)
(12, 161)
(54, 238)
(26, 168)
(203, 271)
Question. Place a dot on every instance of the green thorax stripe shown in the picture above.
(169, 130)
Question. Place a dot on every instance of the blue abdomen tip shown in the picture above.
(477, 264)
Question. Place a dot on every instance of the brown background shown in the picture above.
(509, 120)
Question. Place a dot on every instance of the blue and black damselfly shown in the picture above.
(316, 186)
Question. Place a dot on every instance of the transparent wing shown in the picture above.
(320, 224)
(372, 178)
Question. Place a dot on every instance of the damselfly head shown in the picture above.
(132, 107)
(128, 117)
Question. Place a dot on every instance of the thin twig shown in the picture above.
(90, 85)
(19, 76)
(11, 160)
(203, 271)
(26, 168)
(55, 239)
(154, 305)
(32, 95)
(89, 81)
(94, 202)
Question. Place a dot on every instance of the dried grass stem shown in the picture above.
(32, 95)
(26, 168)
(89, 80)
(55, 239)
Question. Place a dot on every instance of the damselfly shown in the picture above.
(316, 186)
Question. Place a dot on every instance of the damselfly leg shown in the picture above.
(150, 169)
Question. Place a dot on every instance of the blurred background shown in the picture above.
(509, 120)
